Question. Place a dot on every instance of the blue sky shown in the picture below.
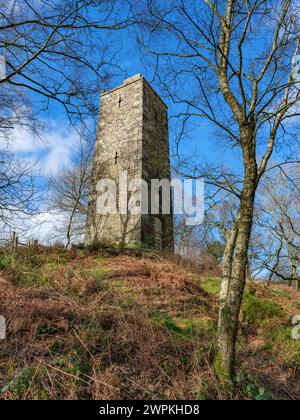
(54, 150)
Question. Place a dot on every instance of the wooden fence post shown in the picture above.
(15, 242)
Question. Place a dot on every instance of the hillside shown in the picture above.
(126, 327)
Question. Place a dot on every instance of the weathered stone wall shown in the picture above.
(156, 165)
(132, 137)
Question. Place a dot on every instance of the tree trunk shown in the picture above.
(235, 267)
(248, 274)
(69, 229)
(294, 277)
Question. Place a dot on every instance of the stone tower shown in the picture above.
(133, 137)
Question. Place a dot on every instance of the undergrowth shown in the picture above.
(86, 326)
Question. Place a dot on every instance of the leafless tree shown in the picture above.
(59, 51)
(18, 193)
(230, 62)
(70, 189)
(55, 55)
(279, 226)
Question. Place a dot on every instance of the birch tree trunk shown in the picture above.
(235, 264)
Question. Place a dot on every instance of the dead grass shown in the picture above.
(123, 327)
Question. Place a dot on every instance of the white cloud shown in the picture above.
(47, 227)
(53, 151)
(44, 227)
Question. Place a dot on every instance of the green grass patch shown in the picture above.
(256, 311)
(6, 261)
(28, 267)
(279, 342)
(100, 259)
(211, 286)
(95, 276)
(253, 389)
(20, 382)
(282, 293)
(120, 285)
(182, 326)
(98, 273)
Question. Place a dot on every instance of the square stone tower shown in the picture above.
(133, 137)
